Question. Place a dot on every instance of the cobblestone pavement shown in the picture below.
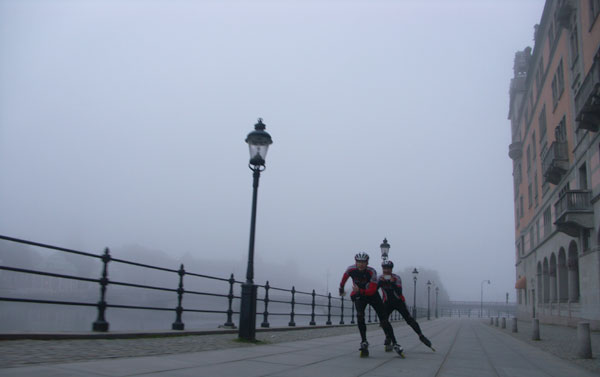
(561, 341)
(558, 340)
(27, 352)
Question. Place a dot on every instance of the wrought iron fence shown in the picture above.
(311, 304)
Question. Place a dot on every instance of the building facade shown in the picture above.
(555, 149)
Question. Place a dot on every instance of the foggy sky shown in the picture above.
(123, 122)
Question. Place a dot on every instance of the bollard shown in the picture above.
(536, 329)
(584, 347)
(491, 321)
(503, 322)
(496, 321)
(514, 325)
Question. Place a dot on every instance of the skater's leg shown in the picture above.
(360, 305)
(412, 323)
(388, 309)
(377, 304)
(408, 318)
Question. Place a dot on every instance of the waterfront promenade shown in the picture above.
(465, 347)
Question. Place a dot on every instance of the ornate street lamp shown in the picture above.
(481, 305)
(428, 295)
(415, 273)
(385, 249)
(258, 142)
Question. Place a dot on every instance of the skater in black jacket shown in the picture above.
(391, 286)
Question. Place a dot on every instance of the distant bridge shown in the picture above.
(477, 308)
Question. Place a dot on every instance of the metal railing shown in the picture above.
(573, 201)
(312, 305)
(558, 151)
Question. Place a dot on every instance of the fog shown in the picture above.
(122, 125)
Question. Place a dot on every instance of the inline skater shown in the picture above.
(364, 292)
(391, 286)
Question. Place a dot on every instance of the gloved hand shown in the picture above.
(342, 292)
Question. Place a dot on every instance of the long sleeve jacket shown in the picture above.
(391, 286)
(365, 280)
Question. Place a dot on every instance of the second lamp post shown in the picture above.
(415, 273)
(258, 142)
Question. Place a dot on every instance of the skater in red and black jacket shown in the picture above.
(391, 286)
(364, 292)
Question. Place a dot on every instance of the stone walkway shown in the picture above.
(561, 341)
(466, 347)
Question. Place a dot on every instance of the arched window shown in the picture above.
(563, 282)
(540, 295)
(546, 281)
(552, 278)
(573, 268)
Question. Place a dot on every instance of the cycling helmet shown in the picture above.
(387, 263)
(363, 257)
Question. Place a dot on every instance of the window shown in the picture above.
(594, 10)
(542, 123)
(585, 239)
(531, 239)
(529, 196)
(573, 42)
(547, 222)
(533, 148)
(539, 75)
(583, 181)
(535, 178)
(558, 83)
(528, 158)
(537, 231)
(560, 132)
(561, 78)
(521, 206)
(551, 35)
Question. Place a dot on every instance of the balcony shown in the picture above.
(587, 100)
(555, 162)
(515, 150)
(574, 212)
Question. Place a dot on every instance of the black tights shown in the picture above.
(400, 306)
(361, 303)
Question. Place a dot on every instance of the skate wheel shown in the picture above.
(388, 348)
(364, 354)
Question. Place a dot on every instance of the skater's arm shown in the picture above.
(343, 283)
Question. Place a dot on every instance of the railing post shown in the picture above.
(178, 325)
(352, 315)
(369, 313)
(265, 322)
(292, 323)
(328, 309)
(229, 324)
(312, 315)
(101, 324)
(342, 312)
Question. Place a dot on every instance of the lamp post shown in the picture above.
(437, 290)
(258, 142)
(428, 293)
(481, 306)
(415, 273)
(385, 249)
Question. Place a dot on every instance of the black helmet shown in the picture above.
(363, 257)
(387, 263)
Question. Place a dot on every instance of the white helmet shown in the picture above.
(363, 257)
